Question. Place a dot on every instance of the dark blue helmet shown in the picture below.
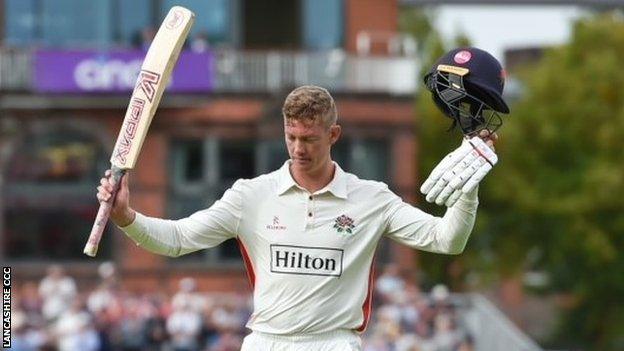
(467, 85)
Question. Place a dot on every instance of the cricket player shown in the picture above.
(308, 231)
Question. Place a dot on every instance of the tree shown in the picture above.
(558, 188)
(554, 202)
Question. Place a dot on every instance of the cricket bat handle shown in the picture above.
(104, 211)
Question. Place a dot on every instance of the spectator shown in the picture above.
(187, 296)
(446, 337)
(133, 326)
(30, 301)
(156, 324)
(406, 320)
(102, 298)
(440, 295)
(389, 282)
(184, 325)
(24, 338)
(104, 304)
(74, 330)
(57, 291)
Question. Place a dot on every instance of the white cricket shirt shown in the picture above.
(309, 257)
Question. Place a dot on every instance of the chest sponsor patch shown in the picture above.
(303, 260)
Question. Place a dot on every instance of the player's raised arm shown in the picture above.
(466, 84)
(203, 229)
(417, 229)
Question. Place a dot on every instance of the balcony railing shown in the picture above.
(267, 71)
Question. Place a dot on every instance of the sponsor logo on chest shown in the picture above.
(303, 260)
(276, 224)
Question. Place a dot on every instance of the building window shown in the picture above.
(131, 20)
(366, 158)
(212, 18)
(20, 22)
(74, 23)
(48, 195)
(272, 24)
(293, 24)
(202, 170)
(271, 155)
(323, 24)
(107, 23)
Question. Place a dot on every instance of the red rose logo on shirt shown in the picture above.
(344, 224)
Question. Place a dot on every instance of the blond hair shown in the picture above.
(310, 103)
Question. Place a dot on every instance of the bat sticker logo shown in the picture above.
(129, 130)
(175, 19)
(147, 81)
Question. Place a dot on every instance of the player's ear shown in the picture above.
(334, 133)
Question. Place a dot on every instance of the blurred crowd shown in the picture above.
(407, 319)
(54, 315)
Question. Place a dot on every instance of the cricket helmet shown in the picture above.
(467, 85)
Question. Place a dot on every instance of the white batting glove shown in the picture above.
(447, 163)
(459, 172)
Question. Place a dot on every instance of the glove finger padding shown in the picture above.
(465, 170)
(449, 161)
(453, 198)
(444, 195)
(460, 175)
(435, 191)
(459, 172)
(488, 155)
(468, 172)
(476, 178)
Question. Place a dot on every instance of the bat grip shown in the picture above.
(101, 219)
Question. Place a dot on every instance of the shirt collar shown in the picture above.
(337, 186)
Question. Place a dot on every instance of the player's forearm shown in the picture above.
(453, 230)
(203, 229)
(168, 237)
(156, 235)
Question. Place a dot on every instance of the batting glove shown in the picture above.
(459, 172)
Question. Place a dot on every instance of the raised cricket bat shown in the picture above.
(153, 78)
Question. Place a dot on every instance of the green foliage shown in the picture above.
(555, 201)
(559, 185)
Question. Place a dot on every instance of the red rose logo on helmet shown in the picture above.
(462, 57)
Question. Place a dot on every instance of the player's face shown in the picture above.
(309, 144)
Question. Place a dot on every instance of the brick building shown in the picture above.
(55, 140)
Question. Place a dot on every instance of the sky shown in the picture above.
(496, 28)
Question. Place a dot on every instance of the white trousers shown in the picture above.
(339, 340)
